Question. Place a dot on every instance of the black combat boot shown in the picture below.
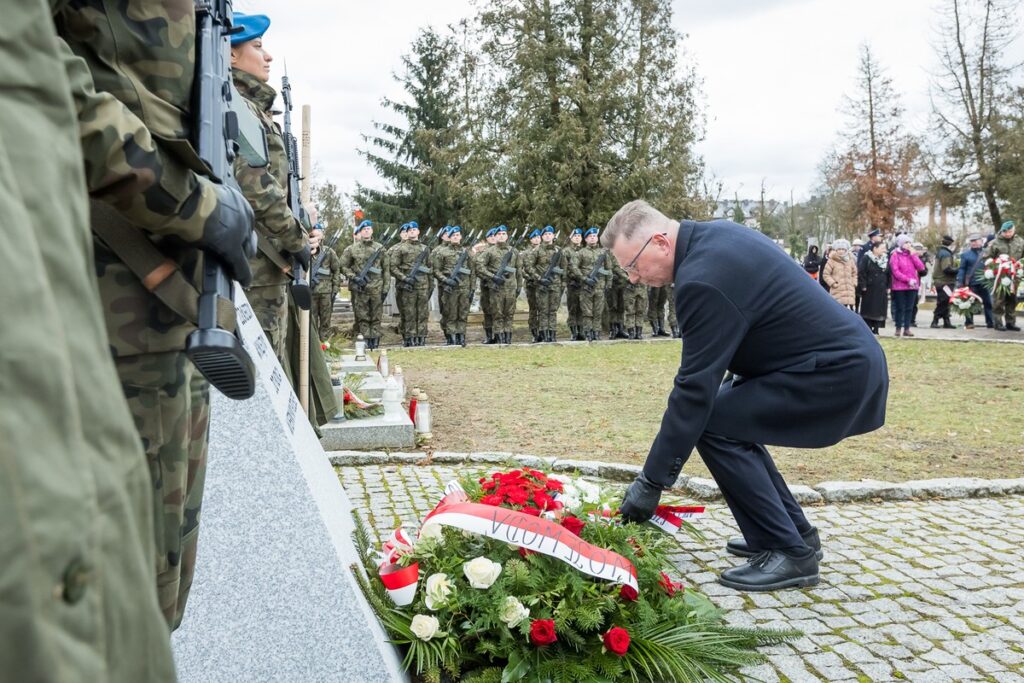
(632, 333)
(947, 324)
(639, 332)
(675, 331)
(489, 337)
(551, 335)
(423, 341)
(448, 340)
(376, 342)
(661, 332)
(621, 334)
(407, 341)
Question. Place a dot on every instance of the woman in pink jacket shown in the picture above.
(904, 265)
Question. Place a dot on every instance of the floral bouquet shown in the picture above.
(355, 407)
(965, 302)
(1002, 274)
(528, 576)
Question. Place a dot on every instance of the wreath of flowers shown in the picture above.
(965, 301)
(1002, 274)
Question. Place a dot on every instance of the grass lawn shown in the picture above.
(955, 408)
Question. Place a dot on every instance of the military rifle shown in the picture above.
(553, 268)
(504, 267)
(300, 288)
(591, 280)
(408, 283)
(314, 269)
(215, 352)
(360, 281)
(459, 269)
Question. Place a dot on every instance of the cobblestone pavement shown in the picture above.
(929, 591)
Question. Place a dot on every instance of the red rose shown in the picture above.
(488, 485)
(628, 593)
(554, 485)
(491, 499)
(542, 632)
(573, 524)
(617, 640)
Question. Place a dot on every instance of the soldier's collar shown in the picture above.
(253, 89)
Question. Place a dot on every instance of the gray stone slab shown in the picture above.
(393, 429)
(273, 597)
(350, 364)
(371, 386)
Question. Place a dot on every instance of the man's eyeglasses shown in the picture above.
(632, 264)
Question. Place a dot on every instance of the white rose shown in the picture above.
(591, 493)
(432, 531)
(424, 626)
(481, 572)
(1007, 282)
(989, 273)
(513, 612)
(438, 589)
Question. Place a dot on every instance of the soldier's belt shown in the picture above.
(465, 271)
(374, 270)
(274, 255)
(158, 274)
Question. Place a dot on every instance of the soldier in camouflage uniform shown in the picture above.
(617, 302)
(369, 290)
(656, 299)
(590, 267)
(504, 282)
(326, 282)
(410, 266)
(530, 284)
(76, 577)
(485, 291)
(454, 283)
(134, 129)
(672, 323)
(572, 291)
(1004, 306)
(282, 239)
(441, 251)
(548, 269)
(635, 308)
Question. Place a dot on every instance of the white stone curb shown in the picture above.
(705, 489)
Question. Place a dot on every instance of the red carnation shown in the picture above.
(538, 475)
(542, 632)
(671, 587)
(517, 495)
(554, 485)
(573, 524)
(492, 499)
(530, 510)
(543, 500)
(488, 485)
(628, 593)
(617, 640)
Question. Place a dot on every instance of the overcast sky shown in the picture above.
(774, 73)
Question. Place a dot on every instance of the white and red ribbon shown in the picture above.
(669, 518)
(400, 582)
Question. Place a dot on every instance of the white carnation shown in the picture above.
(481, 572)
(591, 493)
(513, 612)
(1007, 282)
(425, 626)
(989, 273)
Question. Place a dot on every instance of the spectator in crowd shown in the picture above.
(873, 284)
(923, 284)
(840, 274)
(943, 277)
(856, 252)
(821, 266)
(904, 265)
(812, 262)
(969, 275)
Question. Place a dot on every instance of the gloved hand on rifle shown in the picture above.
(590, 282)
(228, 234)
(518, 289)
(383, 296)
(545, 282)
(450, 282)
(408, 283)
(359, 283)
(641, 499)
(302, 256)
(498, 280)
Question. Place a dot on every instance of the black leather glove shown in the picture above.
(518, 289)
(545, 282)
(303, 257)
(498, 280)
(360, 282)
(383, 296)
(641, 499)
(450, 282)
(591, 282)
(229, 236)
(407, 284)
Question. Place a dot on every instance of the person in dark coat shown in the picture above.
(812, 262)
(805, 374)
(873, 284)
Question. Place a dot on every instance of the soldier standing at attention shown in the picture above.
(657, 297)
(281, 238)
(634, 306)
(326, 286)
(572, 291)
(455, 284)
(485, 290)
(530, 285)
(672, 322)
(77, 598)
(943, 277)
(368, 291)
(437, 252)
(616, 303)
(133, 93)
(499, 269)
(410, 266)
(403, 237)
(548, 270)
(591, 269)
(1004, 306)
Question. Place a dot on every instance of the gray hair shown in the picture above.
(630, 217)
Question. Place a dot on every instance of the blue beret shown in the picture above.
(547, 229)
(500, 228)
(405, 226)
(364, 224)
(577, 231)
(444, 231)
(454, 229)
(591, 231)
(490, 233)
(1008, 225)
(413, 225)
(875, 233)
(535, 233)
(253, 26)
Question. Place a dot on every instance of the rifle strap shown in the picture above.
(273, 254)
(160, 275)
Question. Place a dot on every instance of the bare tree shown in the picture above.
(970, 87)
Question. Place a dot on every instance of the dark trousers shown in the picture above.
(986, 300)
(903, 306)
(941, 302)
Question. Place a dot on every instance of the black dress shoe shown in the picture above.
(1000, 327)
(1012, 328)
(739, 548)
(772, 570)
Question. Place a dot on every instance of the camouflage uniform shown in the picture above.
(572, 296)
(76, 538)
(656, 298)
(441, 251)
(526, 258)
(266, 189)
(616, 301)
(134, 129)
(591, 259)
(367, 303)
(414, 304)
(635, 309)
(328, 281)
(1005, 305)
(504, 292)
(671, 296)
(549, 286)
(454, 287)
(485, 299)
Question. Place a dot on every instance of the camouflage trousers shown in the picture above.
(531, 302)
(443, 309)
(591, 308)
(456, 303)
(670, 296)
(485, 307)
(413, 307)
(170, 402)
(572, 305)
(634, 304)
(320, 313)
(548, 301)
(1004, 306)
(615, 305)
(270, 304)
(367, 308)
(656, 297)
(503, 305)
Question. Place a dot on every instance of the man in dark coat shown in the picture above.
(806, 374)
